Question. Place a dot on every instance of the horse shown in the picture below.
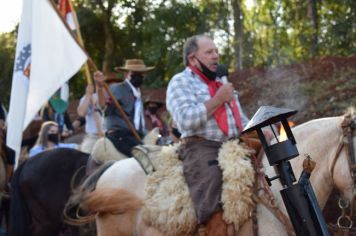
(42, 185)
(40, 189)
(118, 198)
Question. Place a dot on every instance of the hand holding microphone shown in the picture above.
(225, 92)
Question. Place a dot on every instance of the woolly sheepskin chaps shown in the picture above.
(168, 206)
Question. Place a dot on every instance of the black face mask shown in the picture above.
(54, 138)
(153, 110)
(211, 75)
(176, 132)
(136, 80)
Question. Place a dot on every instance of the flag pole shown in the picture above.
(80, 40)
(93, 67)
(86, 67)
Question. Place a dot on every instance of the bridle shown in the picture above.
(344, 221)
(348, 126)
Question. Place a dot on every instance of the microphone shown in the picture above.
(222, 72)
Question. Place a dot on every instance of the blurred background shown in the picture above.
(298, 54)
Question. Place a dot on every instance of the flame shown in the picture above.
(282, 132)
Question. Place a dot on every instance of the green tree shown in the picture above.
(7, 55)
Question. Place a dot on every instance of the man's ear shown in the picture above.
(192, 60)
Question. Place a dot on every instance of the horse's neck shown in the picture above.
(319, 139)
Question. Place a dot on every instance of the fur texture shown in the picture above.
(238, 181)
(168, 205)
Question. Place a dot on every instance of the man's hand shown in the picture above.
(89, 90)
(99, 78)
(225, 93)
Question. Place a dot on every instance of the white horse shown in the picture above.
(119, 195)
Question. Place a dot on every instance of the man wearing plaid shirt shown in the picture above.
(207, 113)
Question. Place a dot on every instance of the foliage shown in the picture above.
(7, 54)
(274, 33)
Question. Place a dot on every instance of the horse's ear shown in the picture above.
(152, 137)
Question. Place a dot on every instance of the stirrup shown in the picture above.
(140, 153)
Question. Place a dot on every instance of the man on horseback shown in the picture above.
(88, 108)
(128, 94)
(207, 113)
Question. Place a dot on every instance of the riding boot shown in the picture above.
(216, 226)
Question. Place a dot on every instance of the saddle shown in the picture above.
(168, 205)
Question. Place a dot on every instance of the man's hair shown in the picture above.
(191, 46)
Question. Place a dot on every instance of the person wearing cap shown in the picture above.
(128, 94)
(153, 119)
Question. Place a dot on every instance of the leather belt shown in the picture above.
(192, 139)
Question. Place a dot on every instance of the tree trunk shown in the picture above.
(313, 16)
(239, 32)
(108, 61)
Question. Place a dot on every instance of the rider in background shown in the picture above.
(48, 139)
(153, 116)
(128, 95)
(88, 108)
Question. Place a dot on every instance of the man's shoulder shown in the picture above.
(183, 77)
(120, 87)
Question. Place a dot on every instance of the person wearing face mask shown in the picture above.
(153, 119)
(48, 138)
(128, 94)
(206, 113)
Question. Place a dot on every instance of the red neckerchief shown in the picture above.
(220, 113)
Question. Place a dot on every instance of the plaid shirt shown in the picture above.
(186, 95)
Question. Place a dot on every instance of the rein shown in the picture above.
(344, 221)
(267, 198)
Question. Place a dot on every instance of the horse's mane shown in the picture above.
(315, 124)
(82, 191)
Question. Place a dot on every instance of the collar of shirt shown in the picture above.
(136, 91)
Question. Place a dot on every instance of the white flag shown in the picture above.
(46, 57)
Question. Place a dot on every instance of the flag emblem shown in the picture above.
(23, 61)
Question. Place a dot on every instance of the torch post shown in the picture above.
(299, 198)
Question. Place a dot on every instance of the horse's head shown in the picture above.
(343, 164)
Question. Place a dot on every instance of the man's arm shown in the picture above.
(99, 80)
(224, 94)
(82, 109)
